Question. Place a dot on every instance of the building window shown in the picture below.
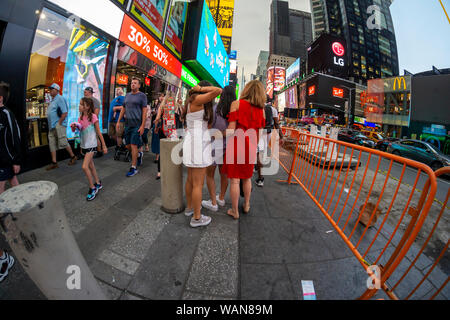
(72, 57)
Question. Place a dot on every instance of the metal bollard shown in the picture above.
(33, 221)
(171, 178)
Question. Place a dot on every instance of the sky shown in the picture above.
(421, 28)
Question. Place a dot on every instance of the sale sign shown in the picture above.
(140, 40)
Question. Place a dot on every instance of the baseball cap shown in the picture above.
(89, 89)
(55, 86)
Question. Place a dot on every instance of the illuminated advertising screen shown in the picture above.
(176, 26)
(338, 92)
(223, 13)
(302, 103)
(233, 54)
(279, 79)
(293, 72)
(269, 81)
(281, 102)
(233, 66)
(291, 97)
(188, 78)
(211, 53)
(152, 13)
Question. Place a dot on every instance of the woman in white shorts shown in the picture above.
(197, 155)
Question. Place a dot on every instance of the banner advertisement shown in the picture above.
(152, 13)
(281, 99)
(176, 27)
(279, 78)
(269, 81)
(137, 38)
(233, 66)
(302, 89)
(223, 13)
(293, 72)
(291, 97)
(188, 78)
(211, 53)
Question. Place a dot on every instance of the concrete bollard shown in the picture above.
(33, 221)
(171, 178)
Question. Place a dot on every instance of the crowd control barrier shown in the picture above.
(383, 206)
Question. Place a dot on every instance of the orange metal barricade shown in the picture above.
(388, 222)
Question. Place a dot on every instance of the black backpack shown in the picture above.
(269, 116)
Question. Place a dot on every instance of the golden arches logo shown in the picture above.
(399, 82)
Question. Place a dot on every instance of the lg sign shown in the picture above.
(338, 49)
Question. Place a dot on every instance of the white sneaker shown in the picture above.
(189, 212)
(220, 202)
(203, 221)
(208, 205)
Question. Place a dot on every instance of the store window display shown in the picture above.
(69, 55)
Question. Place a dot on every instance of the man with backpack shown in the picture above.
(271, 122)
(57, 124)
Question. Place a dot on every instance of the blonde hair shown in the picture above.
(254, 93)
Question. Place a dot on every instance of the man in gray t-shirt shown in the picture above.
(134, 109)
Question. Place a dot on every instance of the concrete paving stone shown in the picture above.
(119, 262)
(265, 282)
(278, 240)
(164, 271)
(137, 238)
(438, 277)
(343, 279)
(215, 268)
(137, 201)
(110, 275)
(110, 292)
(188, 295)
(432, 292)
(102, 231)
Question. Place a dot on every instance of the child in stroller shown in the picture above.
(122, 151)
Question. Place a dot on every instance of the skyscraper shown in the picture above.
(290, 30)
(366, 26)
(261, 68)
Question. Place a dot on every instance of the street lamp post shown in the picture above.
(349, 99)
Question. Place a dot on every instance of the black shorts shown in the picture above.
(6, 174)
(85, 151)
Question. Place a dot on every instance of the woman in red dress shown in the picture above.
(246, 119)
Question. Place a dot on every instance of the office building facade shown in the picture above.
(261, 68)
(370, 37)
(290, 30)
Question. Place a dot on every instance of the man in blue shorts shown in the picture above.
(134, 109)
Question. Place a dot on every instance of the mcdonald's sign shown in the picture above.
(398, 83)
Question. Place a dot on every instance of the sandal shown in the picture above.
(232, 215)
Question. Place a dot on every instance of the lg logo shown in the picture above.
(338, 49)
(339, 61)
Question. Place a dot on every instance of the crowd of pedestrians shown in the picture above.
(226, 135)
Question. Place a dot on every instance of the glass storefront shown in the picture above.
(71, 56)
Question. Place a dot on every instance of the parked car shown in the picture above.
(383, 144)
(355, 137)
(420, 151)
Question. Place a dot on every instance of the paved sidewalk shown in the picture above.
(136, 251)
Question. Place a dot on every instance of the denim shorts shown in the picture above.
(132, 136)
(6, 174)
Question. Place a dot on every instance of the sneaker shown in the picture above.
(260, 182)
(91, 195)
(189, 212)
(203, 221)
(140, 159)
(220, 202)
(73, 160)
(132, 172)
(208, 205)
(52, 166)
(5, 264)
(98, 186)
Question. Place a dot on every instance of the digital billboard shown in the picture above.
(233, 54)
(211, 53)
(291, 97)
(293, 72)
(279, 79)
(175, 27)
(152, 13)
(269, 81)
(223, 13)
(233, 66)
(281, 99)
(302, 103)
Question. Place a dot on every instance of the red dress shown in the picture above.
(240, 154)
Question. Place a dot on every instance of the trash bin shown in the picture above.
(33, 221)
(171, 176)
